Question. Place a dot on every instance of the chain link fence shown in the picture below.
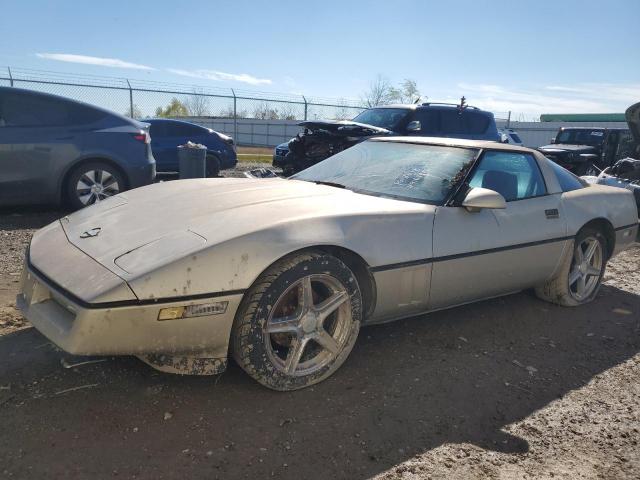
(143, 99)
(240, 112)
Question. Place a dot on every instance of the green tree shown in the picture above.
(175, 109)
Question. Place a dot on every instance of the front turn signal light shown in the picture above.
(189, 311)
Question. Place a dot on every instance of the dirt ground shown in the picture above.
(506, 388)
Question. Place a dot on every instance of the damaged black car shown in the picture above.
(321, 139)
(625, 173)
(588, 150)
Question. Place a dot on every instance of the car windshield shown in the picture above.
(581, 137)
(388, 118)
(404, 171)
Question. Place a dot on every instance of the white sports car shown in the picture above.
(281, 273)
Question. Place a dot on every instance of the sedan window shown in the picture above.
(405, 171)
(514, 175)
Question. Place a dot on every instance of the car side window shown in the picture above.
(25, 110)
(465, 122)
(178, 130)
(514, 175)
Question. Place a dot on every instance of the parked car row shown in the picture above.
(54, 150)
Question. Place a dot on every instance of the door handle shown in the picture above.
(552, 213)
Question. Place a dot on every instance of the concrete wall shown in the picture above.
(269, 133)
(251, 132)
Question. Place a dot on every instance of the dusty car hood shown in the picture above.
(345, 127)
(632, 116)
(146, 227)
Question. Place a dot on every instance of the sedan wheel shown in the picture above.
(586, 268)
(299, 321)
(309, 325)
(96, 185)
(91, 183)
(578, 278)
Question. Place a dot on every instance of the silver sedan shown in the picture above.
(282, 273)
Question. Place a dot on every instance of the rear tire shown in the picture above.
(91, 183)
(579, 277)
(299, 321)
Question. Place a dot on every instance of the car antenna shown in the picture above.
(463, 104)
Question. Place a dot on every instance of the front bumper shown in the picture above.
(122, 328)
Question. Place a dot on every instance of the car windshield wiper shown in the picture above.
(329, 184)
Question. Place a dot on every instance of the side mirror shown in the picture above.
(414, 126)
(481, 198)
(553, 140)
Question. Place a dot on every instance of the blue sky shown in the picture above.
(530, 57)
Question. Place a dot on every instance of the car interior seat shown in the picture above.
(506, 184)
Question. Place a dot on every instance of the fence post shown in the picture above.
(10, 77)
(509, 119)
(130, 98)
(235, 116)
(305, 107)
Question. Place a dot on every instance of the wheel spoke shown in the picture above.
(327, 342)
(85, 180)
(578, 256)
(582, 285)
(331, 304)
(306, 294)
(295, 354)
(97, 175)
(593, 271)
(574, 276)
(283, 325)
(591, 250)
(108, 180)
(84, 198)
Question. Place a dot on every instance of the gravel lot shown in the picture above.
(507, 388)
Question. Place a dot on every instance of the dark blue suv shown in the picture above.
(321, 139)
(167, 134)
(53, 149)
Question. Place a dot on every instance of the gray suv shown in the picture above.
(55, 150)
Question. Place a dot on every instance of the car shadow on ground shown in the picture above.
(454, 376)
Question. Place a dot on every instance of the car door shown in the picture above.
(37, 140)
(491, 252)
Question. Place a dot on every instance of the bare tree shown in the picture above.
(409, 91)
(380, 92)
(263, 111)
(342, 110)
(287, 112)
(197, 104)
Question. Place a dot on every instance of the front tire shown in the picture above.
(91, 183)
(579, 278)
(299, 321)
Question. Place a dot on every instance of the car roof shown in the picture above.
(454, 142)
(111, 113)
(171, 120)
(594, 128)
(433, 106)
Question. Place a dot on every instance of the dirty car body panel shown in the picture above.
(119, 263)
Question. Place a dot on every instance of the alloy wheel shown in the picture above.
(586, 268)
(95, 186)
(309, 325)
